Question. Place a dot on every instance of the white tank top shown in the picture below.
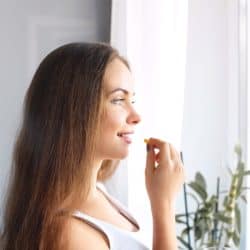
(119, 239)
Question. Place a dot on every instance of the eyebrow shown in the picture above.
(120, 89)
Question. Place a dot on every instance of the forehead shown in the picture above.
(117, 75)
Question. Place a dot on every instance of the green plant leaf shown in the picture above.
(243, 197)
(221, 217)
(199, 179)
(185, 231)
(239, 186)
(197, 232)
(199, 190)
(225, 202)
(244, 189)
(236, 239)
(246, 172)
(184, 242)
(238, 151)
(180, 221)
(229, 170)
(194, 197)
(241, 166)
(238, 218)
(180, 215)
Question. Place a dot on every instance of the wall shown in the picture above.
(29, 30)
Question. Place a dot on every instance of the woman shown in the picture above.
(78, 117)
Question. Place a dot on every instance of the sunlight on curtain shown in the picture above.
(152, 35)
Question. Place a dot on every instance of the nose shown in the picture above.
(133, 117)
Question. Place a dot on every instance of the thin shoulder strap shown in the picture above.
(122, 209)
(98, 225)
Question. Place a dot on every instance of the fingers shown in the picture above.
(164, 153)
(164, 180)
(150, 161)
(175, 155)
(167, 151)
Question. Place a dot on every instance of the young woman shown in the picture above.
(77, 122)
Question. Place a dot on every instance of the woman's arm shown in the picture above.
(164, 235)
(163, 183)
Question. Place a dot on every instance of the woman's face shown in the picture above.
(120, 117)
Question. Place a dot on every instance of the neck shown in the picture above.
(93, 192)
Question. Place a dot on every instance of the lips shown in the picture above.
(126, 136)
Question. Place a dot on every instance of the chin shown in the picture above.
(119, 156)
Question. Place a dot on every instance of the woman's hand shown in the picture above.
(164, 174)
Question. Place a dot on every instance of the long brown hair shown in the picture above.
(55, 145)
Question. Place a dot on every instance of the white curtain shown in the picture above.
(152, 36)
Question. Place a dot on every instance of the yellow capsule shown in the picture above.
(146, 141)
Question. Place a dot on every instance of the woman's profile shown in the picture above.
(77, 123)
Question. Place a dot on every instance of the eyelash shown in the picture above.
(116, 101)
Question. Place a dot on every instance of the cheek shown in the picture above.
(114, 120)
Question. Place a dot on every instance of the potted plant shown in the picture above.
(216, 220)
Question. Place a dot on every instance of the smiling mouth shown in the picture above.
(126, 137)
(121, 134)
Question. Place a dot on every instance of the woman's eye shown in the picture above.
(121, 100)
(118, 100)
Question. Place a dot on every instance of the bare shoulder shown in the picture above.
(80, 235)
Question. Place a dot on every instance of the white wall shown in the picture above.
(29, 30)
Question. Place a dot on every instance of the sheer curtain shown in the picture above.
(152, 36)
(246, 56)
